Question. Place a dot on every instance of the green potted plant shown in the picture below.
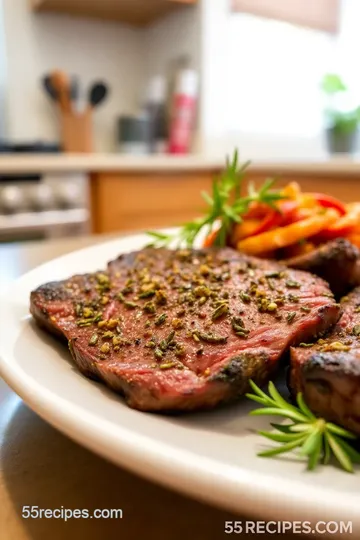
(342, 124)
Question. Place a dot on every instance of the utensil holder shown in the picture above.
(77, 132)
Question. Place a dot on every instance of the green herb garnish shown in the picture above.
(314, 437)
(225, 207)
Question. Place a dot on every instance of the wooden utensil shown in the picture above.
(61, 84)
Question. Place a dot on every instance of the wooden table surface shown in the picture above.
(41, 467)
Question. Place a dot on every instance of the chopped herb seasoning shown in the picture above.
(290, 316)
(305, 345)
(79, 310)
(239, 328)
(147, 294)
(149, 307)
(293, 298)
(116, 341)
(220, 311)
(335, 346)
(93, 340)
(105, 348)
(84, 322)
(167, 342)
(161, 319)
(356, 330)
(128, 305)
(177, 324)
(210, 338)
(204, 270)
(108, 335)
(244, 297)
(292, 284)
(158, 354)
(169, 365)
(272, 274)
(305, 308)
(180, 350)
(202, 291)
(161, 297)
(102, 324)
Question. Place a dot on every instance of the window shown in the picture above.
(274, 70)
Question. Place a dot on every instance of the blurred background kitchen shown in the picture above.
(115, 114)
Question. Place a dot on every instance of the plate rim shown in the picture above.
(258, 495)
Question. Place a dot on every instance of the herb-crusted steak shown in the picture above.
(328, 373)
(338, 262)
(183, 330)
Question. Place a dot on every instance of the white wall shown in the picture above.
(2, 76)
(38, 43)
(176, 35)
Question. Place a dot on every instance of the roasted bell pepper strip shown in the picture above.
(210, 239)
(273, 219)
(291, 191)
(285, 236)
(345, 225)
(327, 201)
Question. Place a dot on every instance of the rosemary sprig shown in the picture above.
(225, 207)
(314, 437)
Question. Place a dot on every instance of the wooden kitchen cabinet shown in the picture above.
(135, 12)
(123, 202)
(130, 201)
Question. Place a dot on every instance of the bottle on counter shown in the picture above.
(183, 112)
(155, 108)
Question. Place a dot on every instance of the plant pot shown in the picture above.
(342, 143)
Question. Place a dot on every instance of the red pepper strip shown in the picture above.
(273, 219)
(327, 201)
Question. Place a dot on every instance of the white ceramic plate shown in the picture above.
(211, 456)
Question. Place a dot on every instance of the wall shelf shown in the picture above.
(134, 12)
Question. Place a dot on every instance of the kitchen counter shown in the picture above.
(55, 163)
(140, 192)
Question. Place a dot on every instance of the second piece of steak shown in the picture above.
(328, 374)
(184, 330)
(338, 262)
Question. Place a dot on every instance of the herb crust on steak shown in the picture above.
(184, 329)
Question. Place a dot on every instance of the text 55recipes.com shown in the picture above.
(65, 514)
(283, 527)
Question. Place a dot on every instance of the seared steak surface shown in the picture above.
(328, 373)
(183, 330)
(338, 262)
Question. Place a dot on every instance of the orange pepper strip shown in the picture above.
(285, 236)
(345, 225)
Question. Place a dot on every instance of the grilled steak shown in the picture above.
(183, 330)
(337, 262)
(328, 373)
